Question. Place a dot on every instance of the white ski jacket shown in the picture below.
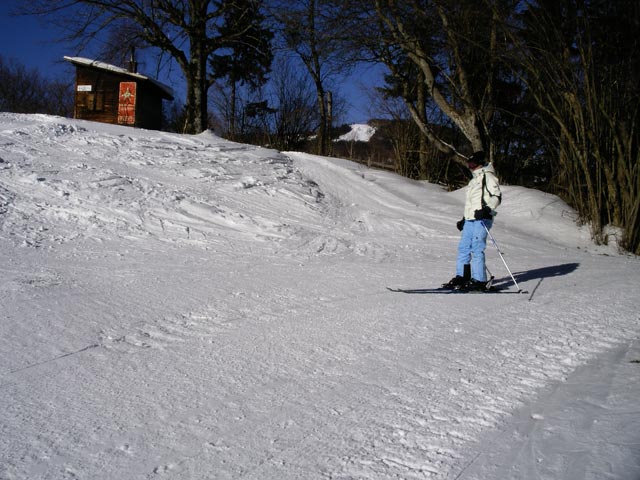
(483, 186)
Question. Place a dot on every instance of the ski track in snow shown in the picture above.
(185, 307)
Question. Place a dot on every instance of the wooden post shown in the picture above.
(329, 140)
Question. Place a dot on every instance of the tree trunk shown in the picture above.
(423, 141)
(232, 115)
(466, 115)
(329, 141)
(322, 112)
(197, 86)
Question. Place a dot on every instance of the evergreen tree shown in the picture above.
(247, 58)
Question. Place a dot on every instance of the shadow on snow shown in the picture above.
(541, 273)
(503, 283)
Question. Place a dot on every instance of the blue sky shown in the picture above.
(31, 41)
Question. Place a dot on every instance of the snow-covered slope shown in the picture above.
(185, 307)
(360, 132)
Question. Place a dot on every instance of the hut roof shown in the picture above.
(87, 62)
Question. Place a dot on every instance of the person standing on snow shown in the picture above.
(483, 197)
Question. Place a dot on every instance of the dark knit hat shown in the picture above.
(478, 158)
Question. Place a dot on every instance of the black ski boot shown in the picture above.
(455, 282)
(458, 281)
(475, 286)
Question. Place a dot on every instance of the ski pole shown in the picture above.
(493, 240)
(488, 271)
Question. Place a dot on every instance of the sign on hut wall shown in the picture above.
(127, 103)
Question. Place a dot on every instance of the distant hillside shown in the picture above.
(359, 133)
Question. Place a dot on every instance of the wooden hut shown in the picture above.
(109, 94)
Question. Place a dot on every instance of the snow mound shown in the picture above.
(63, 180)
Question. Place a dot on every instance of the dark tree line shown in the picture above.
(580, 64)
(24, 90)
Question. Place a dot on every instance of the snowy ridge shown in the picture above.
(186, 307)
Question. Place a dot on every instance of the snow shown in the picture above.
(185, 307)
(359, 133)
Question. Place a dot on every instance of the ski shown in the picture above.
(446, 291)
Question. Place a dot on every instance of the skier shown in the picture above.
(483, 197)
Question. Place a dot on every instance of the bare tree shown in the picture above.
(579, 61)
(442, 56)
(295, 117)
(24, 90)
(189, 32)
(313, 31)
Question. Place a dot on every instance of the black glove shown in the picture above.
(460, 224)
(483, 214)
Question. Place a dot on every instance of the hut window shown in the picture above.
(93, 101)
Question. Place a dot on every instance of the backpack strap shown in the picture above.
(484, 187)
